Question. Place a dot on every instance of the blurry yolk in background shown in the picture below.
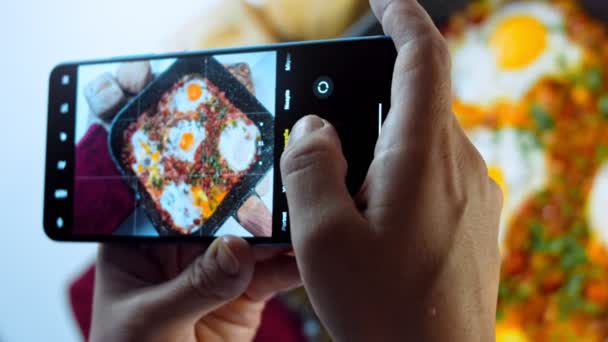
(495, 172)
(510, 334)
(518, 41)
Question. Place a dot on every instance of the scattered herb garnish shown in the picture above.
(157, 183)
(593, 79)
(543, 119)
(571, 296)
(601, 153)
(602, 105)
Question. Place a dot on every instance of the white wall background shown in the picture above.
(34, 36)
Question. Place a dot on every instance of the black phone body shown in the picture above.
(186, 146)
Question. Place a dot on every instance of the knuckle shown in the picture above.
(428, 50)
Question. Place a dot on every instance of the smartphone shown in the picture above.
(187, 146)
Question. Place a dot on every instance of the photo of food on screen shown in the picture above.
(176, 147)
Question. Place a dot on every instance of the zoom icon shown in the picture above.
(323, 87)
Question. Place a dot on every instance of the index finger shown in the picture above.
(421, 89)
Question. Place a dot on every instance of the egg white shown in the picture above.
(521, 161)
(477, 77)
(597, 205)
(181, 101)
(238, 144)
(177, 200)
(174, 135)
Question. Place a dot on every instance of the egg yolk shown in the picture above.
(510, 334)
(156, 156)
(498, 176)
(518, 41)
(186, 141)
(194, 91)
(202, 201)
(145, 146)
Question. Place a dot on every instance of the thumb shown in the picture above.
(220, 275)
(313, 170)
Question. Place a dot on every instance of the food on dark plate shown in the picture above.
(190, 150)
(134, 76)
(104, 96)
(531, 90)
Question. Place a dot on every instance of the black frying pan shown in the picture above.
(148, 98)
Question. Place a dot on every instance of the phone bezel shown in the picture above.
(64, 234)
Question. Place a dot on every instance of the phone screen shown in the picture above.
(187, 146)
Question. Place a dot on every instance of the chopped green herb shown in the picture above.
(543, 119)
(146, 127)
(593, 79)
(500, 314)
(573, 254)
(522, 292)
(503, 291)
(601, 153)
(602, 105)
(591, 308)
(222, 112)
(556, 246)
(537, 237)
(562, 62)
(579, 229)
(157, 183)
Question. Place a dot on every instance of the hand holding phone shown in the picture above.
(415, 255)
(187, 292)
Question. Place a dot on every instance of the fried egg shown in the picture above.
(208, 203)
(179, 201)
(238, 144)
(183, 139)
(506, 332)
(191, 95)
(516, 162)
(147, 155)
(597, 205)
(503, 58)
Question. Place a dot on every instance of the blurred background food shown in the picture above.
(250, 22)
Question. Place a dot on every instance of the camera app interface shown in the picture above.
(190, 145)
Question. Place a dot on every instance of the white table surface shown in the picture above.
(36, 35)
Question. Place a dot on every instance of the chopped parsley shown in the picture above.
(541, 117)
(593, 79)
(157, 183)
(602, 106)
(601, 153)
(223, 112)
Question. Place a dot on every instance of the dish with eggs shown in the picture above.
(530, 87)
(190, 150)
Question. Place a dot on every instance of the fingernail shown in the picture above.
(305, 126)
(226, 259)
